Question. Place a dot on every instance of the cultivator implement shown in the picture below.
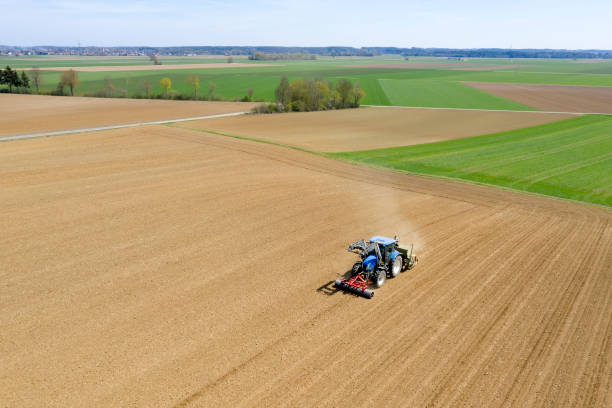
(357, 285)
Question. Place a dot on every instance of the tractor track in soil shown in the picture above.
(111, 236)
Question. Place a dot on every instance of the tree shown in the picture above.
(147, 87)
(345, 89)
(358, 94)
(249, 96)
(153, 58)
(334, 99)
(10, 77)
(127, 86)
(36, 76)
(3, 77)
(25, 81)
(211, 91)
(166, 84)
(109, 88)
(257, 56)
(298, 90)
(70, 78)
(318, 93)
(194, 82)
(282, 92)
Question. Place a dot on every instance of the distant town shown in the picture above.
(332, 51)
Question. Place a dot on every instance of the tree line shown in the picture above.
(69, 81)
(313, 95)
(14, 80)
(23, 83)
(262, 56)
(328, 51)
(297, 96)
(144, 90)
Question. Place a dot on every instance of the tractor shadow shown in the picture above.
(328, 288)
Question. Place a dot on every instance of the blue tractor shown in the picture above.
(381, 258)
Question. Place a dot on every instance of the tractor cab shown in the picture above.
(387, 248)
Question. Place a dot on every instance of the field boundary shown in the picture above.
(110, 127)
(469, 182)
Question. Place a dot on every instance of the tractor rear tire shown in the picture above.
(380, 278)
(396, 266)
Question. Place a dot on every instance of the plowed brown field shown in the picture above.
(24, 114)
(557, 98)
(372, 128)
(158, 266)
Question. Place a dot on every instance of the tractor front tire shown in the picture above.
(356, 269)
(381, 277)
(396, 266)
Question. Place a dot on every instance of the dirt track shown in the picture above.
(24, 114)
(165, 267)
(372, 128)
(559, 98)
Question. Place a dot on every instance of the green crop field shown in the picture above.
(415, 85)
(569, 159)
(442, 94)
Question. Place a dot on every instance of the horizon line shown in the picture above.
(308, 46)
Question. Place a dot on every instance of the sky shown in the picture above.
(453, 24)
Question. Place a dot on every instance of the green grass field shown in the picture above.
(438, 86)
(569, 159)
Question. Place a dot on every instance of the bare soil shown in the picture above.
(108, 68)
(24, 114)
(559, 98)
(372, 128)
(158, 266)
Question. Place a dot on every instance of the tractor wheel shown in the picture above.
(380, 278)
(396, 266)
(356, 269)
